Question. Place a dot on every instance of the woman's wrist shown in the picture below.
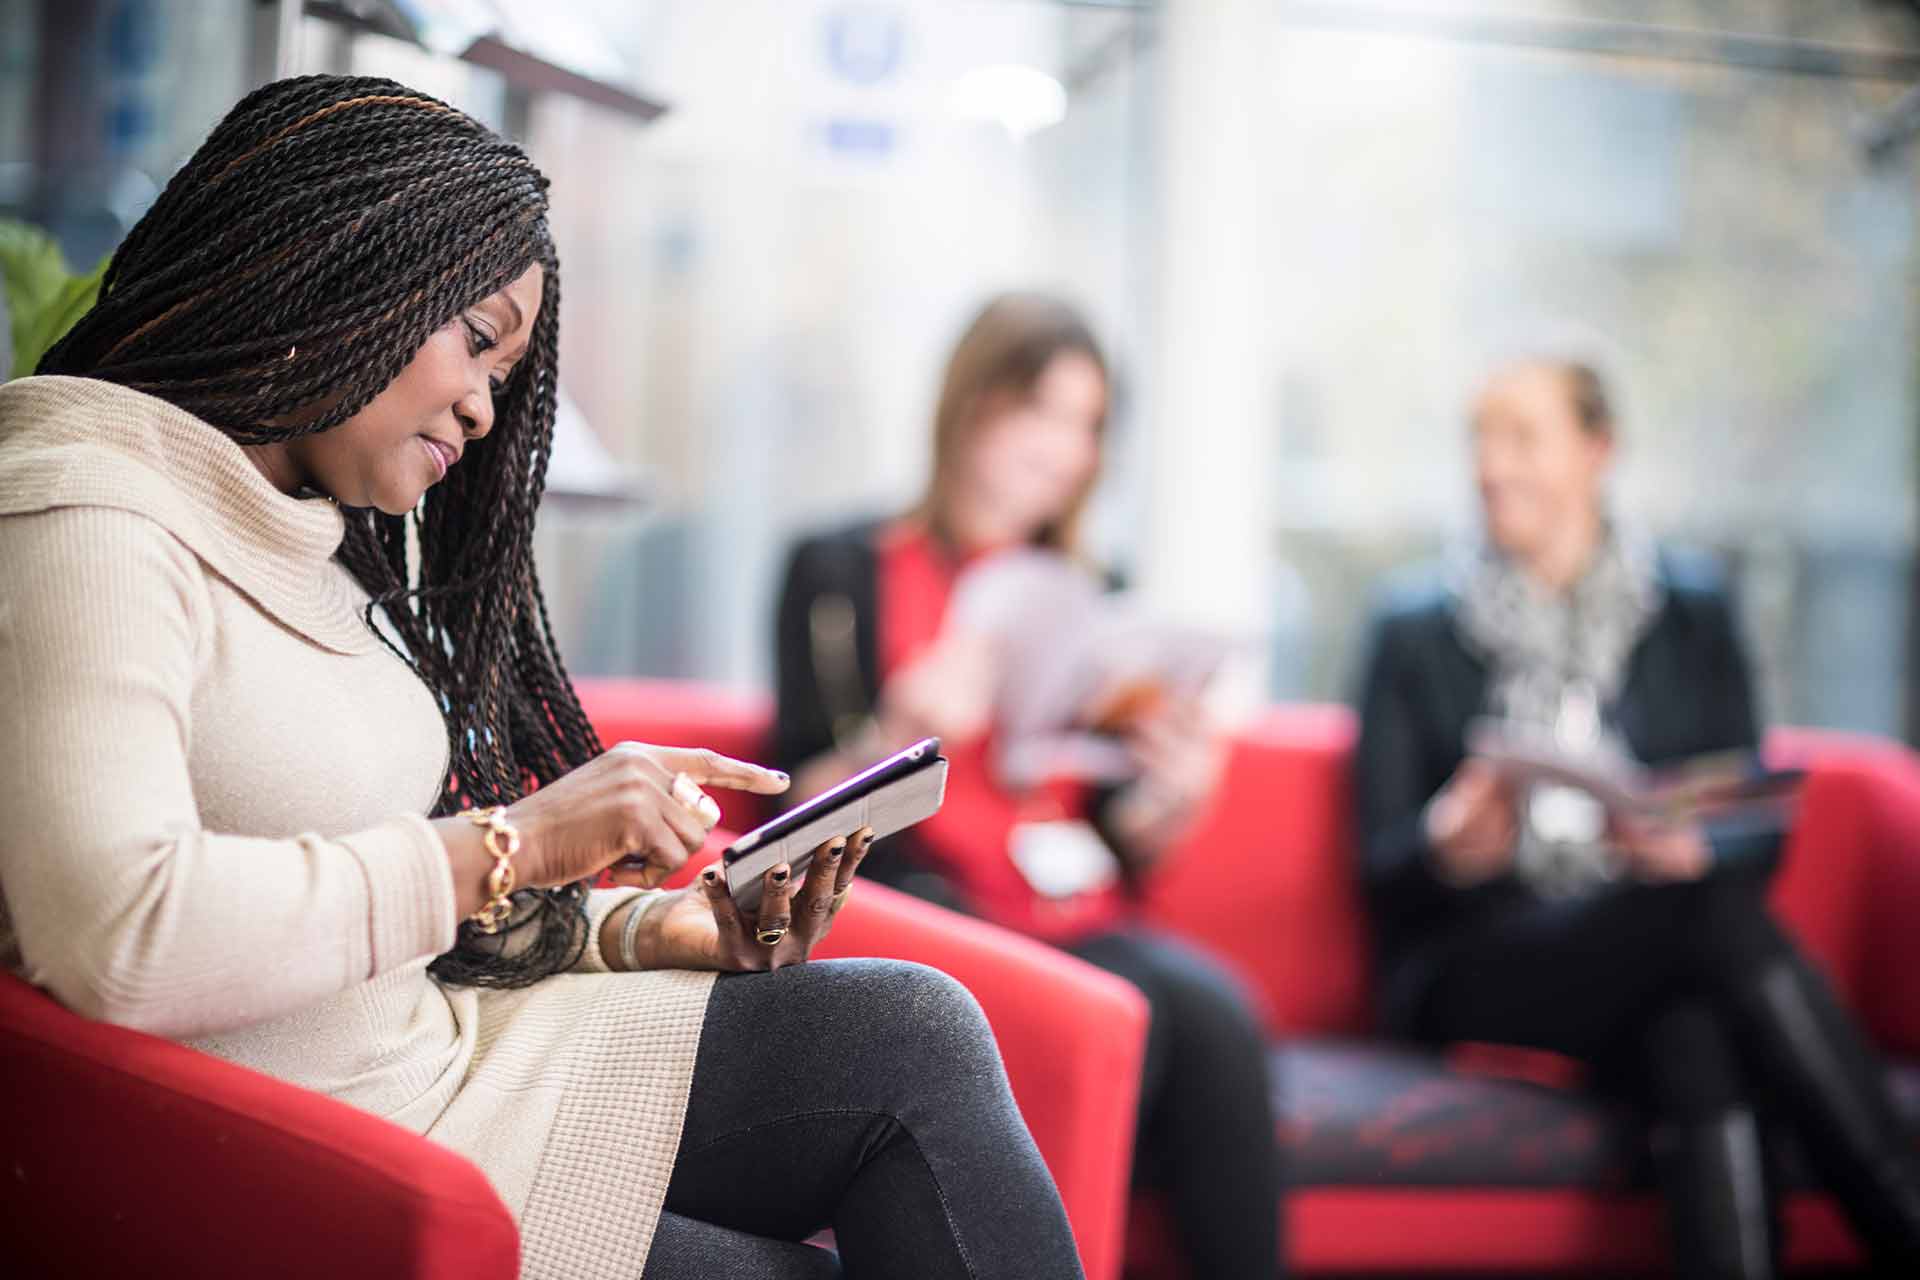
(472, 865)
(629, 940)
(467, 860)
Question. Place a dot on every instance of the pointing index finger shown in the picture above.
(711, 769)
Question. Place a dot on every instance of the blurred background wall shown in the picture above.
(1302, 228)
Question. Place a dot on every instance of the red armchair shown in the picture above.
(1407, 1161)
(122, 1152)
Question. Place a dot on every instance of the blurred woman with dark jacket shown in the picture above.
(1531, 916)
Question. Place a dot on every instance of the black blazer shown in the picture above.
(1687, 692)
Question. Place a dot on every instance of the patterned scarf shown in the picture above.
(1558, 660)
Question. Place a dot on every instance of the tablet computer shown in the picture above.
(890, 797)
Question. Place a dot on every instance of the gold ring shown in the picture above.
(769, 937)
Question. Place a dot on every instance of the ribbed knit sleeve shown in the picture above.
(124, 907)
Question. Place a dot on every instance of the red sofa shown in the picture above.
(123, 1153)
(1476, 1160)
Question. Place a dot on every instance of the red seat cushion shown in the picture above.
(1376, 1114)
(1364, 1114)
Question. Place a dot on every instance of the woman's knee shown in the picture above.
(873, 1036)
(909, 1012)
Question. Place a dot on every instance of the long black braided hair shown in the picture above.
(288, 273)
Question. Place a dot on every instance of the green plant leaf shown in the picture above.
(43, 298)
(73, 299)
(34, 272)
(30, 261)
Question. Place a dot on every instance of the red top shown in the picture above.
(968, 839)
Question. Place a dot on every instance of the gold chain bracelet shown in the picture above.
(502, 843)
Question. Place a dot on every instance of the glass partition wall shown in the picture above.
(1303, 227)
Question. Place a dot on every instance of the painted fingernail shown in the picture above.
(782, 776)
(780, 874)
(710, 876)
(834, 851)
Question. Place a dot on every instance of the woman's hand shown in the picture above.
(1182, 755)
(702, 928)
(638, 805)
(1662, 852)
(946, 693)
(1472, 825)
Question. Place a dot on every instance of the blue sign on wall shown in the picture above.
(865, 42)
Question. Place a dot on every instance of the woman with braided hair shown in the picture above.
(308, 788)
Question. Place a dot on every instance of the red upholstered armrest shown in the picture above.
(1890, 998)
(1850, 883)
(125, 1154)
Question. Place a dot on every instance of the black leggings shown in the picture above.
(1206, 1135)
(866, 1096)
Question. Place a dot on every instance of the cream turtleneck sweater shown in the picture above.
(215, 826)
